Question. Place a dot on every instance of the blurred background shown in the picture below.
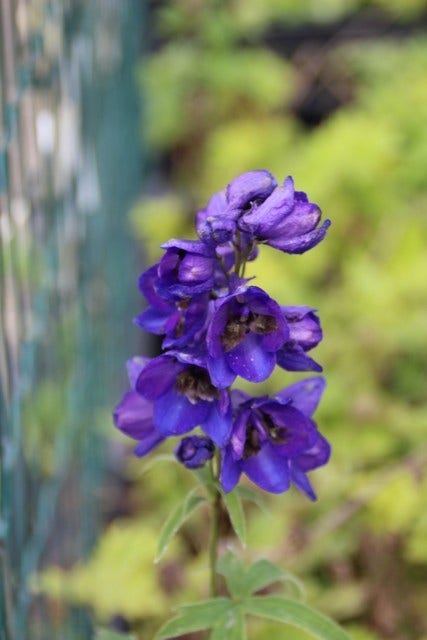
(119, 119)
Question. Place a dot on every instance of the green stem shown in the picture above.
(214, 539)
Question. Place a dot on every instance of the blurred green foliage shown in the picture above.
(116, 576)
(215, 108)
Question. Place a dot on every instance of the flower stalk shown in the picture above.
(214, 541)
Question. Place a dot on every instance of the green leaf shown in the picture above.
(243, 581)
(296, 614)
(246, 493)
(231, 627)
(194, 617)
(176, 519)
(234, 572)
(234, 507)
(106, 634)
(263, 572)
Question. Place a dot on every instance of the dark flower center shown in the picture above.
(182, 305)
(234, 332)
(238, 326)
(195, 383)
(179, 256)
(252, 444)
(262, 324)
(278, 435)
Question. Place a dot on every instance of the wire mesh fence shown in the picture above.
(69, 170)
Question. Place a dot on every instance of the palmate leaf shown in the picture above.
(243, 581)
(231, 627)
(296, 614)
(234, 507)
(234, 572)
(263, 573)
(195, 617)
(176, 519)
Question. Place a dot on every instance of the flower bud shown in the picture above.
(194, 451)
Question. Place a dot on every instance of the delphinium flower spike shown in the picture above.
(217, 326)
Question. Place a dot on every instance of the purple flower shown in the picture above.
(134, 414)
(246, 330)
(186, 269)
(275, 441)
(216, 223)
(249, 188)
(179, 320)
(216, 208)
(286, 220)
(304, 334)
(184, 397)
(254, 204)
(194, 451)
(213, 225)
(215, 231)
